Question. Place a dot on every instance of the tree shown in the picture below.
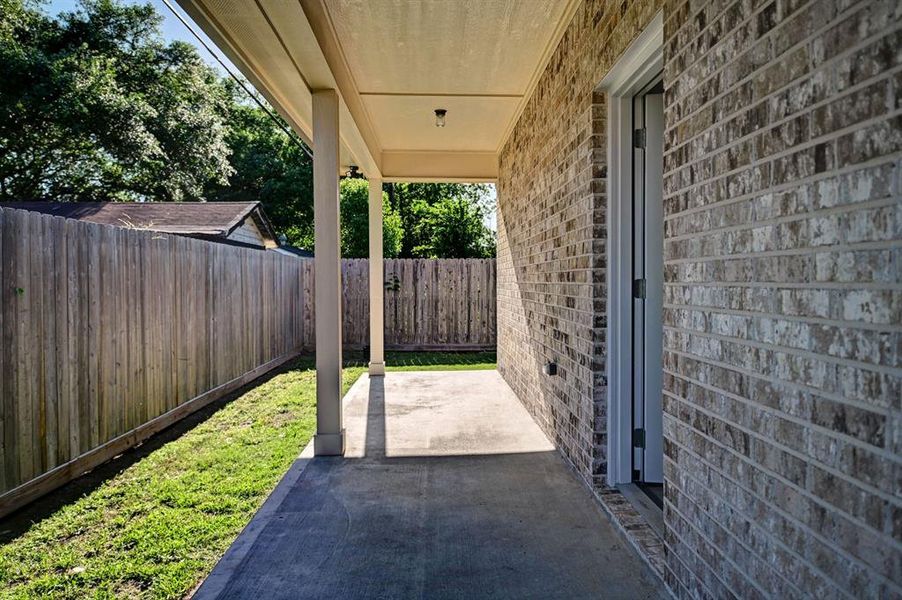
(354, 195)
(452, 228)
(94, 106)
(269, 166)
(408, 198)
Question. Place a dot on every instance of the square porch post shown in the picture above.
(329, 439)
(377, 356)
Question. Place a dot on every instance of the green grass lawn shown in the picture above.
(154, 522)
(429, 361)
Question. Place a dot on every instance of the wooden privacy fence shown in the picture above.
(110, 334)
(446, 304)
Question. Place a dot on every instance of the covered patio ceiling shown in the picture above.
(393, 62)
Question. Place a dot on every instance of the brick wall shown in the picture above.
(783, 304)
(551, 237)
(783, 293)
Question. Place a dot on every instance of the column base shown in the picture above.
(329, 444)
(377, 369)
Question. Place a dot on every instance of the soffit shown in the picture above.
(475, 58)
(393, 62)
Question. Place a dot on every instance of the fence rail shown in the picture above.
(108, 335)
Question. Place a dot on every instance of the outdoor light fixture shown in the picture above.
(440, 117)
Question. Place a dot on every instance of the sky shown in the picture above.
(173, 29)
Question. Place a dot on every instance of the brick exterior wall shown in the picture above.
(783, 305)
(783, 284)
(551, 237)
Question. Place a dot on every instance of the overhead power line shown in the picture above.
(240, 81)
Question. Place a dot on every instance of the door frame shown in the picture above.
(639, 65)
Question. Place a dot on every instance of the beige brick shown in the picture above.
(783, 246)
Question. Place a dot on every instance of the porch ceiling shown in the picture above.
(393, 63)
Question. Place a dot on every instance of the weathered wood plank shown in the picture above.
(6, 448)
(10, 227)
(24, 350)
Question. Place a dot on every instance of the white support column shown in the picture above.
(329, 439)
(377, 353)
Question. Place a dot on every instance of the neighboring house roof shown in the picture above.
(214, 221)
(294, 251)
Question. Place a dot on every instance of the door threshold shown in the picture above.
(655, 491)
(644, 505)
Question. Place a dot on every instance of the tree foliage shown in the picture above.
(411, 201)
(269, 166)
(452, 228)
(355, 222)
(95, 106)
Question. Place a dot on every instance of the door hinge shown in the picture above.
(638, 438)
(639, 288)
(639, 138)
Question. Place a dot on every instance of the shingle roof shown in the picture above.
(209, 219)
(296, 251)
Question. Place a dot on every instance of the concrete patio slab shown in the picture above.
(438, 414)
(448, 490)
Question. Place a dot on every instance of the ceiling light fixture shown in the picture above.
(440, 117)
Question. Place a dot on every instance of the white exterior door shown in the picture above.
(648, 285)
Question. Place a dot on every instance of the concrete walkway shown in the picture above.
(448, 490)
